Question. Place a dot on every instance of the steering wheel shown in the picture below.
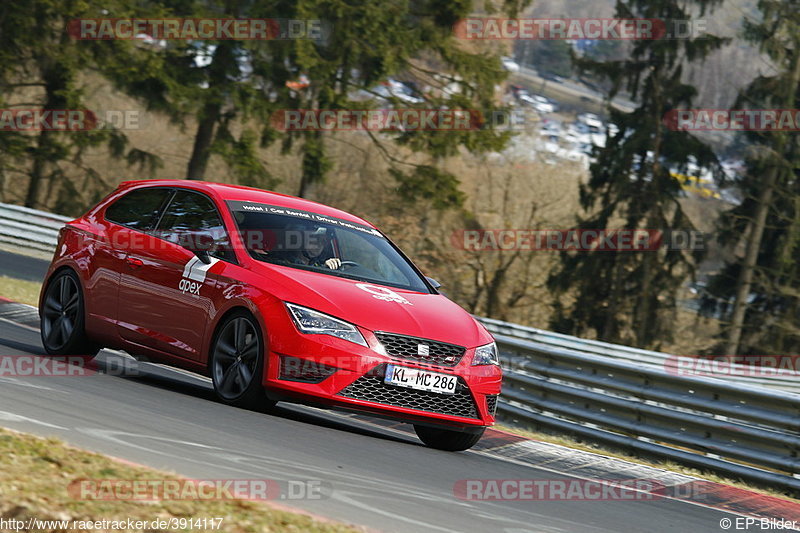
(350, 264)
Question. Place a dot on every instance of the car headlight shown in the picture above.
(310, 321)
(486, 355)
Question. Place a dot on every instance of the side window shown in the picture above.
(192, 221)
(138, 209)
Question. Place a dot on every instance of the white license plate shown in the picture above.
(414, 378)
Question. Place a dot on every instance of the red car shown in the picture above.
(275, 298)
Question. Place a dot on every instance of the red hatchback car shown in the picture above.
(275, 298)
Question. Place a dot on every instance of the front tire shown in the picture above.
(448, 439)
(237, 362)
(63, 317)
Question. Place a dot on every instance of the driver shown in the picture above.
(318, 250)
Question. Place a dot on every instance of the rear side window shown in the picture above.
(138, 209)
(191, 220)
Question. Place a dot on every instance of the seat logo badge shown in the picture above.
(383, 293)
(423, 349)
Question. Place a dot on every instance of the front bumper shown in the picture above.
(328, 371)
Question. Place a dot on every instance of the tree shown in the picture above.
(766, 297)
(375, 40)
(40, 54)
(630, 296)
(221, 83)
(362, 44)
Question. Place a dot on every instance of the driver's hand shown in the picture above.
(333, 263)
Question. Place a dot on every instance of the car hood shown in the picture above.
(376, 307)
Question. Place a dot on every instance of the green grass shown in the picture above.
(35, 474)
(26, 292)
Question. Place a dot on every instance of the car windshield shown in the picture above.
(309, 241)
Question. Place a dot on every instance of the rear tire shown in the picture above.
(63, 317)
(448, 439)
(237, 362)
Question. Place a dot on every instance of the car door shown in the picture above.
(167, 291)
(124, 226)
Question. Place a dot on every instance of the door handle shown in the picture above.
(134, 262)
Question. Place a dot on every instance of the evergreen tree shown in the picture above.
(363, 43)
(630, 296)
(373, 40)
(39, 53)
(763, 285)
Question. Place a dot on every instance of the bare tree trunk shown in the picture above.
(38, 172)
(223, 62)
(313, 165)
(642, 312)
(47, 149)
(756, 233)
(610, 330)
(201, 151)
(745, 281)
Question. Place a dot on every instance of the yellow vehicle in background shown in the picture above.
(696, 185)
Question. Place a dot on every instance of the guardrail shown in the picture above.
(616, 395)
(743, 432)
(778, 378)
(29, 228)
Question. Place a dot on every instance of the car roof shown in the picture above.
(241, 193)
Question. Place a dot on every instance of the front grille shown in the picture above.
(491, 403)
(405, 347)
(304, 370)
(371, 388)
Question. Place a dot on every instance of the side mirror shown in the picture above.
(203, 256)
(433, 283)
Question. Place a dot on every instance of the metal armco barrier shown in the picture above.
(785, 380)
(743, 427)
(29, 228)
(744, 432)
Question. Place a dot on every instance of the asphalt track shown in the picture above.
(371, 474)
(22, 266)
